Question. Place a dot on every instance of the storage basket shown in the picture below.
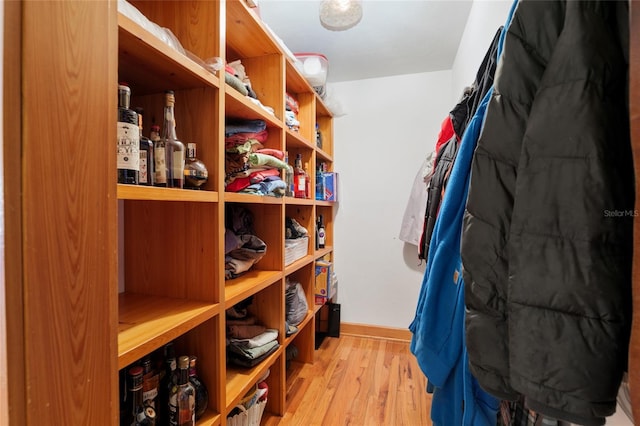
(248, 417)
(295, 249)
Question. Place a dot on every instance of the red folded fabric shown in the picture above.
(273, 152)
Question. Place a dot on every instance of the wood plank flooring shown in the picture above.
(356, 381)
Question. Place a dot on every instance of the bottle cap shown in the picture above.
(183, 362)
(134, 371)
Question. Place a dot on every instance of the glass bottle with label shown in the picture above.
(174, 149)
(195, 172)
(307, 181)
(299, 179)
(146, 154)
(288, 176)
(141, 415)
(167, 382)
(320, 181)
(182, 399)
(150, 382)
(202, 394)
(128, 157)
(321, 232)
(159, 153)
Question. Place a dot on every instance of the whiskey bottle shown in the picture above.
(146, 154)
(128, 138)
(202, 394)
(174, 149)
(299, 178)
(182, 399)
(159, 153)
(195, 172)
(141, 415)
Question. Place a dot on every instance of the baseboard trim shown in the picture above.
(375, 331)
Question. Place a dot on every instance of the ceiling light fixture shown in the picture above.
(340, 15)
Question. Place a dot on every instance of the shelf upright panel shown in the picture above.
(172, 240)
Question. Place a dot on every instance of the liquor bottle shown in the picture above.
(320, 182)
(167, 383)
(299, 177)
(307, 181)
(149, 383)
(146, 154)
(321, 232)
(174, 149)
(202, 394)
(128, 138)
(159, 153)
(125, 398)
(288, 176)
(195, 172)
(140, 415)
(182, 399)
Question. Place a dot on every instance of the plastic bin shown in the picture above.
(314, 67)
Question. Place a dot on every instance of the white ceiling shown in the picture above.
(394, 36)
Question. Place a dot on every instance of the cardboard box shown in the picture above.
(331, 186)
(323, 281)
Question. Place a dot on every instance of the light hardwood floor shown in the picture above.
(357, 381)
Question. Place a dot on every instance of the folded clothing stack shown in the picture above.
(248, 341)
(242, 248)
(291, 113)
(249, 166)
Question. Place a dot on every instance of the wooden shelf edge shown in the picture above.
(322, 108)
(177, 58)
(250, 109)
(146, 323)
(305, 322)
(298, 140)
(322, 252)
(238, 197)
(252, 282)
(154, 193)
(298, 264)
(250, 375)
(210, 418)
(324, 154)
(299, 201)
(295, 79)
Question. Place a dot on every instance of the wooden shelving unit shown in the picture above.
(110, 272)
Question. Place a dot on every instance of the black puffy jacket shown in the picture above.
(547, 235)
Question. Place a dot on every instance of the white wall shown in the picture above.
(390, 126)
(485, 17)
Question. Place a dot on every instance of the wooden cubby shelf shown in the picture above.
(248, 284)
(146, 266)
(146, 323)
(153, 65)
(240, 380)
